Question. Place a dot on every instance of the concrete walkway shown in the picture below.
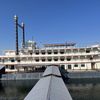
(49, 87)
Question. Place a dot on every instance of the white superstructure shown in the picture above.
(66, 55)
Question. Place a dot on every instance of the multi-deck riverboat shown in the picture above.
(66, 55)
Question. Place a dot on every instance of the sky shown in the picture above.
(50, 21)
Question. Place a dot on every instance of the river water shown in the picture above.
(80, 89)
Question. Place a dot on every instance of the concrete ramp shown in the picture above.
(49, 87)
(52, 70)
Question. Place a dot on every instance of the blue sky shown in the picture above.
(50, 21)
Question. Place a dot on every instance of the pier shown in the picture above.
(49, 87)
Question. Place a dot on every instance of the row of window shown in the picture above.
(68, 66)
(75, 65)
(61, 52)
(37, 59)
(55, 59)
(68, 59)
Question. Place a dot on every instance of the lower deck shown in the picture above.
(68, 67)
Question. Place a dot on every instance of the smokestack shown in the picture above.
(23, 28)
(16, 26)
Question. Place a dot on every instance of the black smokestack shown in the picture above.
(23, 28)
(16, 26)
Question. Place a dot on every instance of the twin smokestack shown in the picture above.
(22, 26)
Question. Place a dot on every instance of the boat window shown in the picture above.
(91, 58)
(82, 65)
(69, 66)
(95, 56)
(37, 60)
(95, 49)
(82, 50)
(43, 52)
(55, 59)
(68, 51)
(55, 52)
(49, 59)
(75, 57)
(37, 52)
(82, 57)
(69, 59)
(12, 60)
(43, 60)
(61, 51)
(62, 58)
(62, 66)
(88, 51)
(76, 65)
(18, 60)
(12, 66)
(30, 53)
(49, 51)
(75, 50)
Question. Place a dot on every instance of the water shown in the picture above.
(84, 89)
(80, 89)
(15, 90)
